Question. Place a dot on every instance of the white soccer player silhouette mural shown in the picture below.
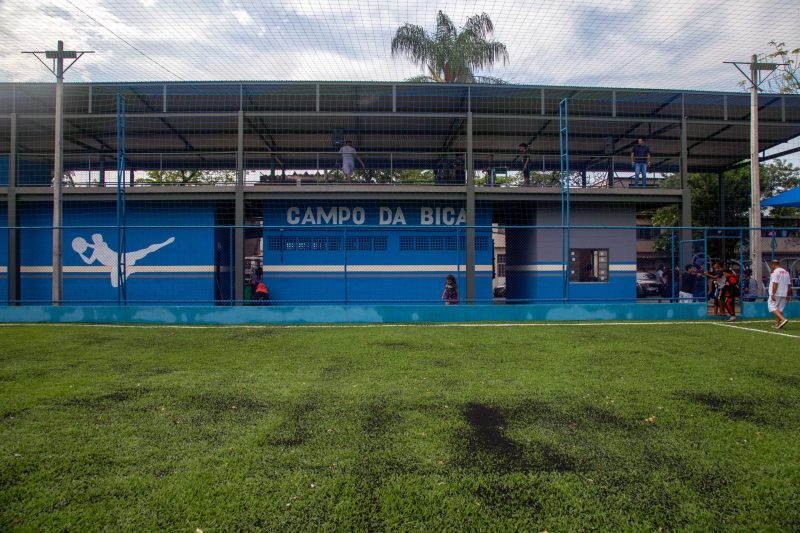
(108, 257)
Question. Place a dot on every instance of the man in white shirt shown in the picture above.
(661, 278)
(779, 292)
(349, 156)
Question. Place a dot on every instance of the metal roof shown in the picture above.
(183, 125)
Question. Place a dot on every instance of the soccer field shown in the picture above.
(556, 426)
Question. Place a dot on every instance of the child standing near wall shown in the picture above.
(450, 293)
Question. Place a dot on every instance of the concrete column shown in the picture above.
(722, 218)
(12, 222)
(686, 203)
(58, 175)
(238, 232)
(470, 209)
(755, 176)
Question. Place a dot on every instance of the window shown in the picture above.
(501, 266)
(441, 243)
(648, 233)
(587, 265)
(328, 244)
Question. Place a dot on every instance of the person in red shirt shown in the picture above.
(730, 291)
(260, 291)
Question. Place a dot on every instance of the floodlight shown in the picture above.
(63, 54)
(765, 66)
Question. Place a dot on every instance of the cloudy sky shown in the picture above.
(654, 44)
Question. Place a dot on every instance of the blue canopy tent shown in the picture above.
(790, 198)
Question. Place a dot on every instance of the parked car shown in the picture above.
(646, 285)
(499, 291)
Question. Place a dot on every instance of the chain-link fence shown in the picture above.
(379, 255)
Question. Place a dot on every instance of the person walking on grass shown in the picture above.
(729, 293)
(779, 293)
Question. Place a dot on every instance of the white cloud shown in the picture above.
(582, 42)
(243, 17)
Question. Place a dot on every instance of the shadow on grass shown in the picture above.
(756, 410)
(781, 379)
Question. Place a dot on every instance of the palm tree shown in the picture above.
(449, 55)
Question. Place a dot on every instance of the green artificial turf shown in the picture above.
(558, 428)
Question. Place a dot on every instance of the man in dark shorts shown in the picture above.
(715, 288)
(640, 159)
(526, 164)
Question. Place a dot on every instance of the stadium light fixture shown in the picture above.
(58, 56)
(755, 80)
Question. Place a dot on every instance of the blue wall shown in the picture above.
(358, 252)
(182, 270)
(534, 255)
(223, 245)
(3, 170)
(29, 172)
(376, 314)
(3, 254)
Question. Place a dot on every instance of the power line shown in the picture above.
(109, 30)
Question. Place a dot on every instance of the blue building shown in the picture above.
(219, 176)
(162, 262)
(386, 252)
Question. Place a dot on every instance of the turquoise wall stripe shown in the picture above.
(370, 314)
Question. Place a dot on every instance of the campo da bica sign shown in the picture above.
(379, 216)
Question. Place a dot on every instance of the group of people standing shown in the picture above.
(724, 289)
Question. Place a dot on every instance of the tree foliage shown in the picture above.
(449, 55)
(775, 178)
(787, 80)
(185, 177)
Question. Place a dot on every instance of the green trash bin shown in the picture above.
(248, 293)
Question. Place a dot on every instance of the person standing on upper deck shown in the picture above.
(640, 159)
(525, 160)
(349, 155)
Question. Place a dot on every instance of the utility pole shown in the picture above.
(755, 80)
(57, 68)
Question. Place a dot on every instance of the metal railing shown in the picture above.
(192, 168)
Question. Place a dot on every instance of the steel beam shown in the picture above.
(238, 246)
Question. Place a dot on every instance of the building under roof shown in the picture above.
(266, 131)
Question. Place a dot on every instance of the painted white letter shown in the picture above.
(384, 216)
(308, 217)
(293, 215)
(426, 216)
(326, 218)
(447, 216)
